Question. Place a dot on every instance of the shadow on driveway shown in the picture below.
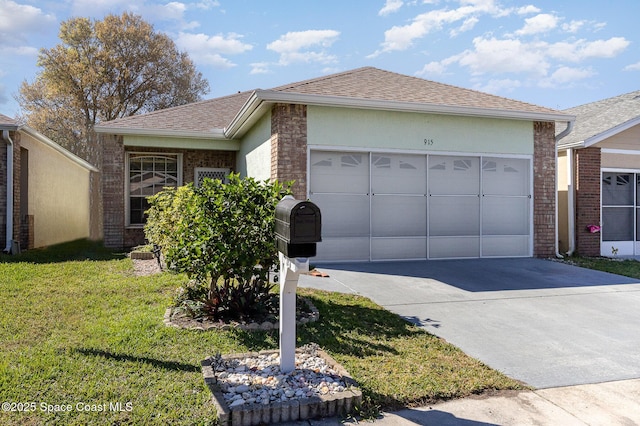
(481, 275)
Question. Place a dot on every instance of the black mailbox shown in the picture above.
(298, 226)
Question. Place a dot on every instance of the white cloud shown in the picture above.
(491, 55)
(467, 25)
(527, 10)
(402, 37)
(632, 67)
(18, 21)
(541, 23)
(497, 86)
(260, 68)
(573, 26)
(207, 49)
(390, 6)
(566, 76)
(580, 50)
(433, 69)
(305, 46)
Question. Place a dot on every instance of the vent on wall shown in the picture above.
(203, 172)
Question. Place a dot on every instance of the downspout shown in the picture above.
(570, 209)
(9, 239)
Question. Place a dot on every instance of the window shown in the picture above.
(147, 175)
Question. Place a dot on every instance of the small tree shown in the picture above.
(222, 235)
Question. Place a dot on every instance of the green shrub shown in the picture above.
(222, 235)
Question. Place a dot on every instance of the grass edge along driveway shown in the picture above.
(83, 342)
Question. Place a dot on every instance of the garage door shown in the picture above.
(378, 206)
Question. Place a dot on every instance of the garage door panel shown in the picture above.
(339, 172)
(398, 174)
(397, 215)
(505, 176)
(454, 216)
(454, 247)
(343, 215)
(505, 216)
(454, 175)
(341, 249)
(505, 245)
(398, 248)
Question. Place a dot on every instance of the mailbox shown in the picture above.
(298, 226)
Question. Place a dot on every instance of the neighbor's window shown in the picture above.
(147, 175)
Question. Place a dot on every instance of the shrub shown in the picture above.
(222, 235)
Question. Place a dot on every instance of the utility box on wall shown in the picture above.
(298, 227)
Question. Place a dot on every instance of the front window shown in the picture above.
(148, 174)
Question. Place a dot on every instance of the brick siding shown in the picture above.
(544, 189)
(116, 234)
(587, 199)
(289, 146)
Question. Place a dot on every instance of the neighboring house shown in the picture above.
(44, 191)
(401, 167)
(599, 179)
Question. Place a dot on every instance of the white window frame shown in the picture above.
(127, 180)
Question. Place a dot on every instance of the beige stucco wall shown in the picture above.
(621, 161)
(254, 157)
(417, 132)
(58, 195)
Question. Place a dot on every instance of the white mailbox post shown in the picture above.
(298, 225)
(290, 270)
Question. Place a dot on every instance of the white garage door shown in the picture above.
(393, 206)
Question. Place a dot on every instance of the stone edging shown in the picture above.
(253, 326)
(330, 405)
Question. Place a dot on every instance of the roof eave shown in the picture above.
(128, 131)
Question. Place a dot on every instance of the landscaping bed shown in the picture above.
(88, 333)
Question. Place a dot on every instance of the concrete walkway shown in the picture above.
(548, 324)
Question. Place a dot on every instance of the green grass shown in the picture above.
(627, 267)
(80, 328)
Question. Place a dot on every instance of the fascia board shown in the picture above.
(572, 145)
(213, 134)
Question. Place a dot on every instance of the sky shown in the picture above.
(554, 53)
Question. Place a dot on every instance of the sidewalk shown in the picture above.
(606, 404)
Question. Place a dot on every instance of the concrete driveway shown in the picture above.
(545, 323)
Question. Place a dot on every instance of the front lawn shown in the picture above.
(83, 343)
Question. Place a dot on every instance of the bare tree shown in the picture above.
(104, 70)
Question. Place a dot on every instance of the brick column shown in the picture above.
(544, 189)
(588, 187)
(289, 146)
(113, 190)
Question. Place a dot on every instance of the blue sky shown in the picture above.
(558, 54)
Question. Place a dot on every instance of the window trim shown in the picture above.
(127, 181)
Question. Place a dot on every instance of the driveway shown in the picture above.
(545, 323)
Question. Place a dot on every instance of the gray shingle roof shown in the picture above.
(366, 83)
(7, 121)
(595, 118)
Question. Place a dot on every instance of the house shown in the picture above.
(401, 167)
(599, 179)
(45, 191)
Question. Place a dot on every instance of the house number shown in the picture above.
(428, 142)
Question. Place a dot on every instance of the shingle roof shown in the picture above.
(595, 118)
(374, 83)
(203, 116)
(7, 121)
(366, 83)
